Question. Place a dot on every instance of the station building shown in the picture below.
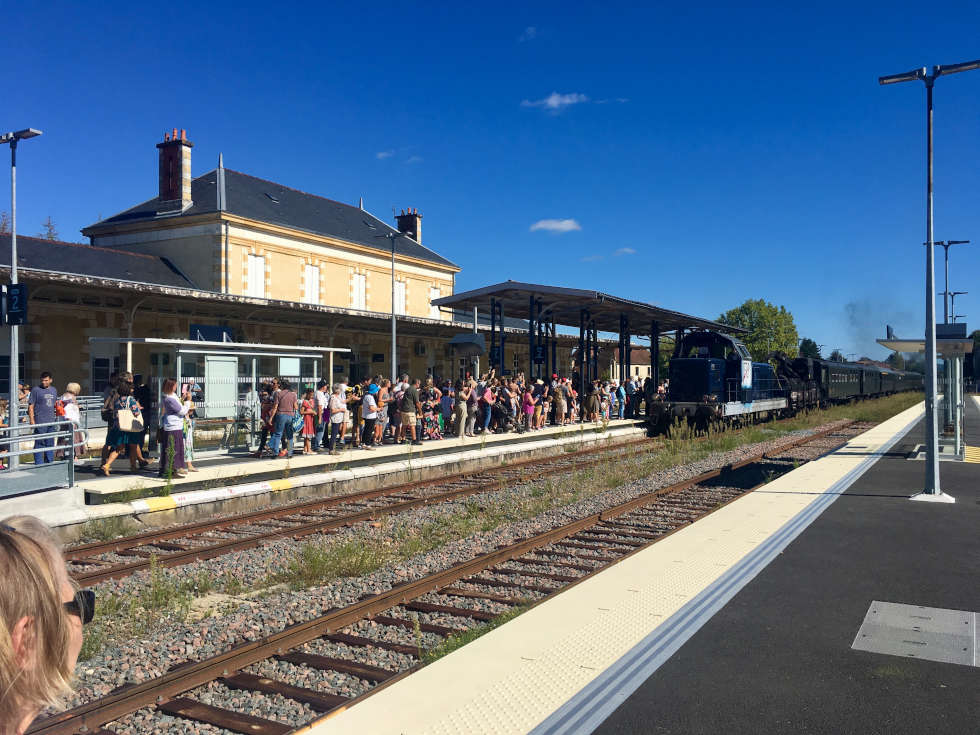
(226, 256)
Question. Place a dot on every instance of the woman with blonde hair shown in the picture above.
(41, 619)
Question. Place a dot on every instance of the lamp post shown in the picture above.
(947, 305)
(13, 408)
(391, 237)
(932, 490)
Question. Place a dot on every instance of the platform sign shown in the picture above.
(494, 355)
(14, 304)
(539, 354)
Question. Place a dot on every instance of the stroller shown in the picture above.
(501, 419)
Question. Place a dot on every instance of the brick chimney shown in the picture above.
(175, 172)
(410, 222)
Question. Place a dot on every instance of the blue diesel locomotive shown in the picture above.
(712, 377)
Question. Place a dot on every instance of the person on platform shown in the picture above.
(322, 400)
(308, 409)
(284, 409)
(369, 414)
(40, 410)
(410, 409)
(337, 409)
(121, 437)
(187, 398)
(172, 428)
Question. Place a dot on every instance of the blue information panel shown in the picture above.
(15, 303)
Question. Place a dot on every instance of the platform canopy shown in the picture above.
(565, 305)
(945, 347)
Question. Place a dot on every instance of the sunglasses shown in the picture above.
(82, 606)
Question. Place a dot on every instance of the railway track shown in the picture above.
(92, 563)
(293, 673)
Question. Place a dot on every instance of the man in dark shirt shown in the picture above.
(40, 410)
(410, 408)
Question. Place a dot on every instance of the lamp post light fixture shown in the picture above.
(953, 316)
(13, 408)
(933, 489)
(947, 304)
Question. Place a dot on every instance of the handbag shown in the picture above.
(129, 421)
(297, 423)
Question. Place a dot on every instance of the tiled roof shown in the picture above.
(85, 260)
(267, 201)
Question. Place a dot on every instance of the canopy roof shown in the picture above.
(565, 305)
(944, 347)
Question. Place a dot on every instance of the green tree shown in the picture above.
(666, 350)
(809, 348)
(48, 230)
(836, 356)
(769, 328)
(4, 223)
(896, 361)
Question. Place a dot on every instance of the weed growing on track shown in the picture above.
(107, 529)
(164, 599)
(459, 640)
(317, 561)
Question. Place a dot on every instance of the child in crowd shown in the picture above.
(528, 404)
(308, 410)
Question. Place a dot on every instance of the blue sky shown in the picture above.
(689, 156)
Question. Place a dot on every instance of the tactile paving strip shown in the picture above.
(516, 676)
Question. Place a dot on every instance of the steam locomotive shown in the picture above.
(713, 378)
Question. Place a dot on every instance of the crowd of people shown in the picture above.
(325, 417)
(375, 411)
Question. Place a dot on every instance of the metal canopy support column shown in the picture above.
(541, 349)
(531, 336)
(655, 354)
(554, 346)
(957, 396)
(583, 317)
(593, 352)
(495, 349)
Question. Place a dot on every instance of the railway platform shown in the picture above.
(822, 602)
(229, 483)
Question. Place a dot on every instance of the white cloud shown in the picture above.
(529, 34)
(555, 102)
(625, 251)
(382, 155)
(556, 226)
(414, 159)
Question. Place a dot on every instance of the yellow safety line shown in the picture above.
(971, 454)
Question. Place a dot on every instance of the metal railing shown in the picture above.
(30, 477)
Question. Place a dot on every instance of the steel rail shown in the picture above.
(219, 548)
(184, 677)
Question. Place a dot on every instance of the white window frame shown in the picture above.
(400, 297)
(311, 284)
(359, 291)
(255, 280)
(434, 294)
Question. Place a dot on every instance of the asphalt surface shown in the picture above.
(778, 657)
